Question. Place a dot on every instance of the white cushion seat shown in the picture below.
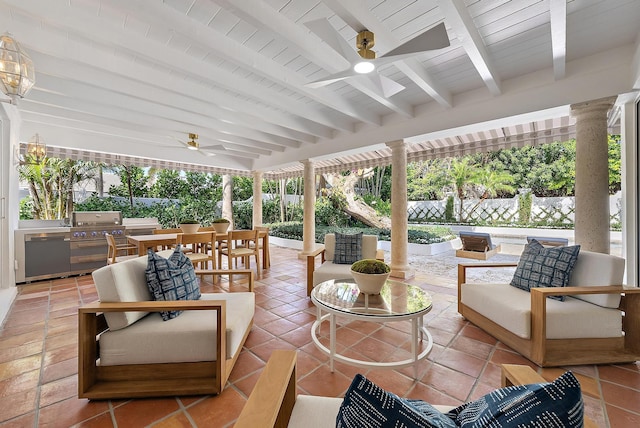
(191, 337)
(510, 307)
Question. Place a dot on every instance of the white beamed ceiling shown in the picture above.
(133, 78)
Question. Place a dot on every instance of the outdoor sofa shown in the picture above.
(274, 401)
(127, 350)
(598, 323)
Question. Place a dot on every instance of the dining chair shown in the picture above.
(241, 244)
(196, 246)
(114, 249)
(167, 231)
(266, 259)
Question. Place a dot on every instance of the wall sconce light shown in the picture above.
(17, 75)
(36, 149)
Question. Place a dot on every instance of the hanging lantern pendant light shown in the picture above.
(17, 75)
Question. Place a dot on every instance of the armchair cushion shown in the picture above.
(171, 278)
(123, 282)
(189, 338)
(348, 248)
(596, 269)
(545, 267)
(510, 308)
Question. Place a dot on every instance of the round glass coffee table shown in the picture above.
(396, 302)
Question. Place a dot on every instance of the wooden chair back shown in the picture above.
(114, 249)
(173, 230)
(241, 244)
(199, 245)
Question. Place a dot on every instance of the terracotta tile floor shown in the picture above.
(38, 359)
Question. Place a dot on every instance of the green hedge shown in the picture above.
(416, 234)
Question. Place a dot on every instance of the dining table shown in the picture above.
(145, 242)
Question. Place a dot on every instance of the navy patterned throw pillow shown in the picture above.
(550, 405)
(348, 249)
(545, 267)
(171, 279)
(367, 405)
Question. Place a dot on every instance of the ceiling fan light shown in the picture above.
(364, 67)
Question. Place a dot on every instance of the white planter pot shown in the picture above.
(370, 283)
(220, 227)
(189, 228)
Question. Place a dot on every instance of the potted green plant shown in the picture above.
(189, 225)
(220, 225)
(370, 275)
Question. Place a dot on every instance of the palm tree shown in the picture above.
(51, 182)
(463, 175)
(490, 182)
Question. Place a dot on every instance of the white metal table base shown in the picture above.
(418, 332)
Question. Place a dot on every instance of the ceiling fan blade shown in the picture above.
(217, 147)
(331, 78)
(389, 87)
(323, 29)
(432, 39)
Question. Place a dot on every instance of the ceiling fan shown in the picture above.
(192, 144)
(364, 61)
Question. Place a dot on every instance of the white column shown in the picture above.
(309, 221)
(227, 199)
(399, 223)
(630, 213)
(592, 228)
(257, 198)
(10, 122)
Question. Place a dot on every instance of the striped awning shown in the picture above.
(531, 133)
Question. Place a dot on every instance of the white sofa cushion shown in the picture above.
(596, 269)
(510, 308)
(191, 337)
(124, 282)
(330, 270)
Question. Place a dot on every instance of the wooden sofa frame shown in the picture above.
(272, 399)
(153, 380)
(561, 352)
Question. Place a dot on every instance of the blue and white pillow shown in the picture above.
(367, 405)
(348, 248)
(545, 267)
(171, 279)
(556, 404)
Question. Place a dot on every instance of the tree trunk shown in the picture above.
(357, 209)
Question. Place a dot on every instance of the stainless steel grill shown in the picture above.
(88, 244)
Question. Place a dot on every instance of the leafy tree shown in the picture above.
(168, 184)
(615, 164)
(242, 188)
(426, 180)
(133, 183)
(377, 184)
